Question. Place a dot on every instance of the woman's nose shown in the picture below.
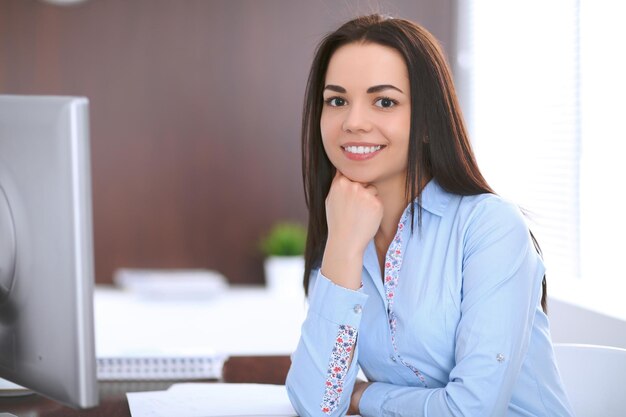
(357, 119)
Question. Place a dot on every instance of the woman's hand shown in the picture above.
(353, 214)
(359, 387)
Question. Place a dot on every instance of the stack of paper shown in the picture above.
(207, 400)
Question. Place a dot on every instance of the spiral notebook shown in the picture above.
(155, 338)
(160, 367)
(142, 339)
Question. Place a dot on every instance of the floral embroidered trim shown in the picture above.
(393, 262)
(338, 367)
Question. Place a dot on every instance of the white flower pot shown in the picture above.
(283, 275)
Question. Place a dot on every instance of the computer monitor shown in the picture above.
(46, 250)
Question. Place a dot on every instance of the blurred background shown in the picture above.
(196, 112)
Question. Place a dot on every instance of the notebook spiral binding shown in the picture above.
(159, 368)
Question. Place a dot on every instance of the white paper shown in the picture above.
(212, 399)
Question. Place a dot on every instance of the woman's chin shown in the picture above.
(355, 177)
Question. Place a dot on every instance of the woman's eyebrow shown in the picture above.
(371, 90)
(335, 88)
(382, 87)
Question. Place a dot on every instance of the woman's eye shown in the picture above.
(385, 102)
(335, 101)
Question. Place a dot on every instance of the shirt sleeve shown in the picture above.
(321, 379)
(501, 273)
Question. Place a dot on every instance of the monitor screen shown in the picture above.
(46, 249)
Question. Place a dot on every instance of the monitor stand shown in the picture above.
(9, 389)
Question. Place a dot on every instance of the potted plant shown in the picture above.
(283, 248)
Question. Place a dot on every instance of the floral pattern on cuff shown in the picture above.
(338, 367)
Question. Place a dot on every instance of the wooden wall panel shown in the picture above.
(195, 114)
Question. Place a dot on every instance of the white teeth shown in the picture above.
(362, 149)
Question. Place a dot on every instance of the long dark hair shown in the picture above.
(438, 146)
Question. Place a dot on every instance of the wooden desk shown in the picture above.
(238, 369)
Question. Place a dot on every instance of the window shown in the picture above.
(543, 87)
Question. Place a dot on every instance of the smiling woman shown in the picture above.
(446, 320)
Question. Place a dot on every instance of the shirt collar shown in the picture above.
(434, 198)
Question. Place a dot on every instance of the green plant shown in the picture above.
(284, 239)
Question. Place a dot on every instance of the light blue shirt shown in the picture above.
(456, 330)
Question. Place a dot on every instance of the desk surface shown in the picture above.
(250, 369)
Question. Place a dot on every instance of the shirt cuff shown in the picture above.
(335, 303)
(373, 398)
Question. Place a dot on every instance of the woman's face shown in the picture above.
(366, 115)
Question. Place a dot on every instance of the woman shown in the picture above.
(444, 316)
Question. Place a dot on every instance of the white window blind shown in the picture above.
(603, 161)
(542, 86)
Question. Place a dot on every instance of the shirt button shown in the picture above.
(393, 358)
(358, 308)
(500, 357)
